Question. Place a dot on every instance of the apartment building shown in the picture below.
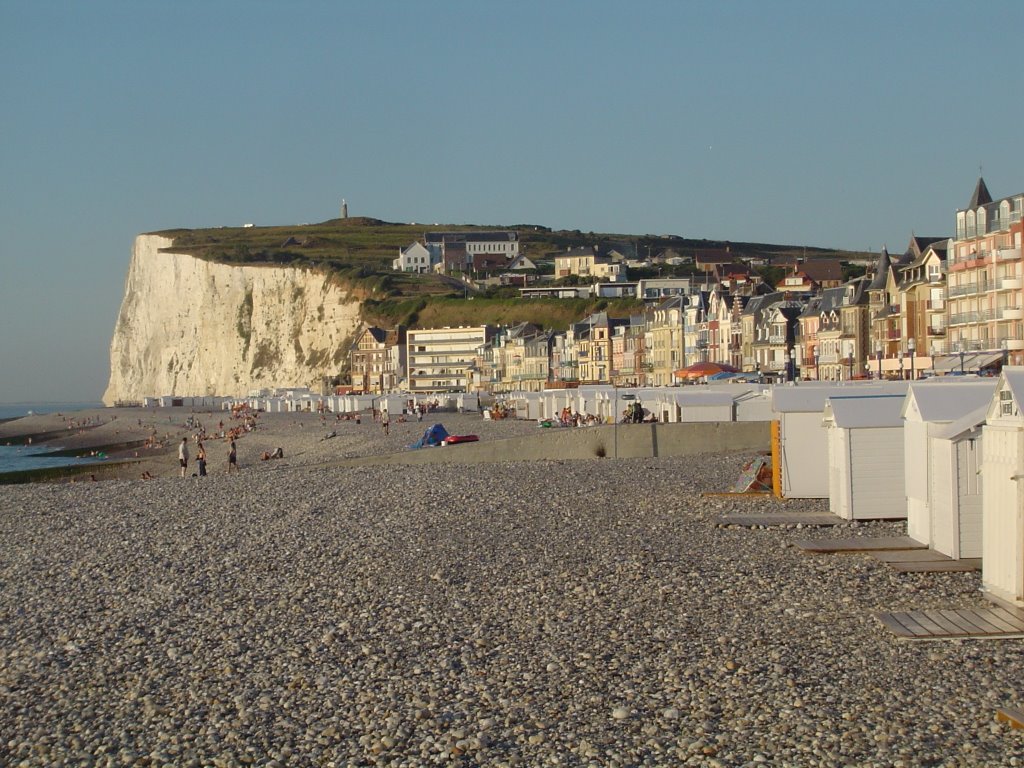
(377, 360)
(442, 359)
(985, 301)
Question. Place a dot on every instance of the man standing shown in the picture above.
(183, 455)
(385, 422)
(232, 458)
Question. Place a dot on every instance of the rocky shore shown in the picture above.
(544, 613)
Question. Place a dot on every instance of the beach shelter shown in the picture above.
(865, 457)
(955, 487)
(701, 370)
(432, 436)
(1002, 504)
(800, 442)
(929, 406)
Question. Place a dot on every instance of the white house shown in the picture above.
(865, 457)
(414, 258)
(1002, 506)
(929, 406)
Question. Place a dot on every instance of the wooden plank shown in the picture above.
(1001, 624)
(1013, 618)
(922, 618)
(951, 627)
(938, 566)
(1013, 716)
(910, 556)
(975, 625)
(993, 620)
(893, 625)
(859, 544)
(912, 625)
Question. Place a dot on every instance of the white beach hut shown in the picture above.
(955, 488)
(1002, 506)
(800, 448)
(928, 407)
(865, 457)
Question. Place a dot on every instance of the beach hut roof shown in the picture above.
(947, 400)
(967, 424)
(704, 397)
(810, 397)
(865, 411)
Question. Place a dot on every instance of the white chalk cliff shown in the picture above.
(192, 327)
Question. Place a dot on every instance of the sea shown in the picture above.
(18, 457)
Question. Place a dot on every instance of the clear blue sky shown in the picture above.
(835, 124)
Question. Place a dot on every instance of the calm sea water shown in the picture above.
(14, 458)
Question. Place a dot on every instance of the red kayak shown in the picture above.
(456, 439)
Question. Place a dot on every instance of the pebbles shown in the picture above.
(522, 614)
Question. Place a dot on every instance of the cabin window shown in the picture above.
(1006, 403)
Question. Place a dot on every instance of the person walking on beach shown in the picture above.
(232, 458)
(201, 459)
(183, 455)
(385, 422)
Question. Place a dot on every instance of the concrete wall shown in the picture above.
(627, 441)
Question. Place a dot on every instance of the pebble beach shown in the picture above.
(576, 613)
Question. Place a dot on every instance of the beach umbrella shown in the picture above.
(700, 370)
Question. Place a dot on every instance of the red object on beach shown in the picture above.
(699, 370)
(456, 439)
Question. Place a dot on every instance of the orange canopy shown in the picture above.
(699, 370)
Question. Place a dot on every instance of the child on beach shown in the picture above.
(232, 458)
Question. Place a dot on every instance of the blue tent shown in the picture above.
(433, 436)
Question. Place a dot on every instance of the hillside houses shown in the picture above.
(945, 305)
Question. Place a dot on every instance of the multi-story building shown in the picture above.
(594, 339)
(377, 360)
(456, 251)
(414, 258)
(665, 351)
(588, 262)
(629, 359)
(985, 301)
(441, 359)
(843, 335)
(922, 291)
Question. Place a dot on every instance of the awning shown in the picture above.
(972, 361)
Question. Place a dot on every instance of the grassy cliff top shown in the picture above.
(359, 251)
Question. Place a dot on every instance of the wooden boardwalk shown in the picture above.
(858, 544)
(924, 561)
(946, 624)
(779, 518)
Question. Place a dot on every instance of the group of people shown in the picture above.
(183, 457)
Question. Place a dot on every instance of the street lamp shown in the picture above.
(790, 371)
(911, 345)
(960, 351)
(1005, 345)
(817, 368)
(878, 356)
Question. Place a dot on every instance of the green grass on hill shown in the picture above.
(359, 252)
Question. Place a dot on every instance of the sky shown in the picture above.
(848, 124)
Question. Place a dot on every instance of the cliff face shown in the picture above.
(191, 327)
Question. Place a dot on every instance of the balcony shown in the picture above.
(1010, 284)
(963, 318)
(936, 330)
(1014, 345)
(961, 290)
(828, 357)
(1011, 313)
(935, 304)
(1008, 254)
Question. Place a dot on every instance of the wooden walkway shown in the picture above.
(978, 623)
(924, 561)
(779, 518)
(859, 544)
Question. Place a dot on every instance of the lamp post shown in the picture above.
(911, 345)
(1005, 345)
(817, 368)
(790, 371)
(878, 356)
(960, 351)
